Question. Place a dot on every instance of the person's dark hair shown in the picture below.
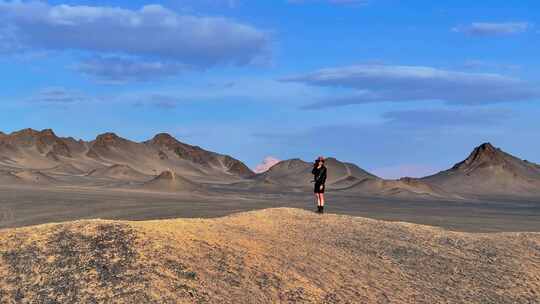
(319, 159)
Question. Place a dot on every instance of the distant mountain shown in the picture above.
(347, 177)
(297, 173)
(489, 171)
(166, 143)
(41, 157)
(43, 150)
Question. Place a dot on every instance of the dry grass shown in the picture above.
(270, 256)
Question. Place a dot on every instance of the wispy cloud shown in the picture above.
(481, 64)
(493, 29)
(59, 96)
(386, 83)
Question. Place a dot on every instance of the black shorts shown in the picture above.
(318, 189)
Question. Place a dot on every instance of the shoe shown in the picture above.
(322, 209)
(318, 209)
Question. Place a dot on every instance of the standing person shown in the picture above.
(319, 175)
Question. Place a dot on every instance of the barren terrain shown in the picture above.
(269, 256)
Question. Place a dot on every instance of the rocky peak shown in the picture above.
(107, 139)
(28, 132)
(33, 134)
(45, 141)
(48, 133)
(164, 139)
(485, 154)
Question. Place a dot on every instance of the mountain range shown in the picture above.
(163, 163)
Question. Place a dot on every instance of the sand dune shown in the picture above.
(270, 256)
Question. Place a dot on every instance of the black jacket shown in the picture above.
(319, 174)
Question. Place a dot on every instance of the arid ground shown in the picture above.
(32, 206)
(269, 256)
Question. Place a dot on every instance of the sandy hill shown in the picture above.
(270, 256)
(489, 171)
(169, 181)
(297, 173)
(120, 172)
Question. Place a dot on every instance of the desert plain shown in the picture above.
(161, 221)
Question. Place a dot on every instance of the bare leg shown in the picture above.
(317, 199)
(321, 199)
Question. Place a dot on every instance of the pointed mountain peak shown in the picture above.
(164, 139)
(485, 150)
(108, 136)
(47, 132)
(485, 154)
(486, 147)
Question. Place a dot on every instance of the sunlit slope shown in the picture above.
(270, 256)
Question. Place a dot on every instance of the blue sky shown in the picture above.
(399, 89)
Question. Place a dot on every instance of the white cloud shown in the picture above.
(152, 31)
